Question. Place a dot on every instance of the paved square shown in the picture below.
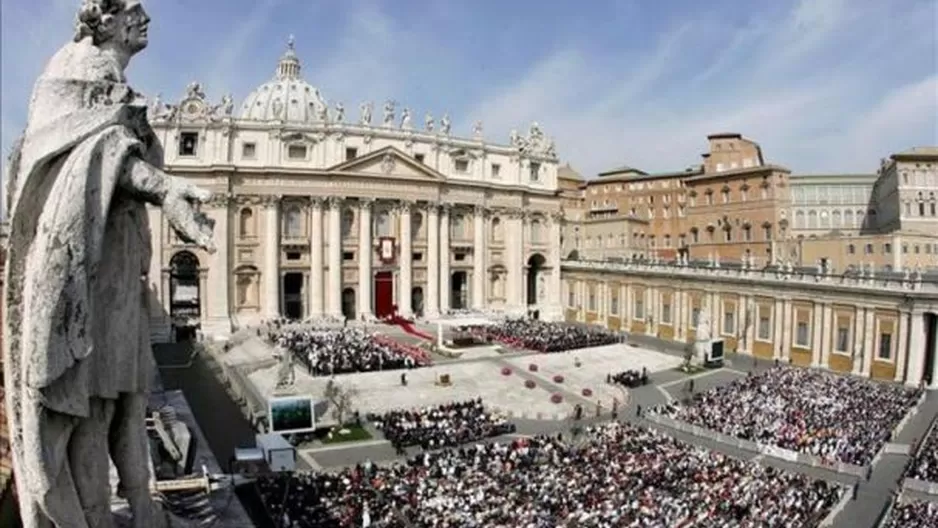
(595, 364)
(382, 391)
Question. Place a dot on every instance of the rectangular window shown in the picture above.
(296, 152)
(695, 317)
(459, 257)
(293, 255)
(843, 339)
(248, 150)
(885, 346)
(535, 172)
(419, 158)
(592, 301)
(765, 327)
(348, 255)
(351, 153)
(803, 334)
(417, 257)
(496, 171)
(729, 320)
(461, 165)
(188, 143)
(666, 312)
(639, 310)
(614, 305)
(571, 297)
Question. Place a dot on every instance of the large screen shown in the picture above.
(292, 414)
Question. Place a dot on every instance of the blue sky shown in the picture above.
(822, 85)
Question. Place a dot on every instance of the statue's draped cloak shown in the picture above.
(76, 324)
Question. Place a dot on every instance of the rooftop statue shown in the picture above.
(76, 332)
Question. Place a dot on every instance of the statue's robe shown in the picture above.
(76, 324)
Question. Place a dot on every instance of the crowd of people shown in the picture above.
(541, 336)
(629, 378)
(616, 475)
(914, 514)
(925, 465)
(342, 351)
(837, 418)
(447, 425)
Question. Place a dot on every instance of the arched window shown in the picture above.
(849, 220)
(292, 222)
(246, 285)
(246, 222)
(812, 220)
(496, 230)
(383, 224)
(348, 221)
(837, 219)
(799, 220)
(825, 220)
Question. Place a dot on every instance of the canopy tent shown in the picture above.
(455, 322)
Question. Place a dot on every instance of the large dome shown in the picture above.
(286, 97)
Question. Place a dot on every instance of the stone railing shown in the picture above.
(890, 281)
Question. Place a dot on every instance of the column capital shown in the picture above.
(334, 202)
(446, 208)
(404, 206)
(433, 207)
(481, 210)
(514, 214)
(271, 200)
(366, 202)
(556, 216)
(317, 202)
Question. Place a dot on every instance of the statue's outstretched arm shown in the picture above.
(175, 197)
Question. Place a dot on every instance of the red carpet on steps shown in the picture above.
(409, 327)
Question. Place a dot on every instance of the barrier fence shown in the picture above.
(772, 451)
(920, 486)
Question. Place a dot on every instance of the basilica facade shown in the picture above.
(319, 215)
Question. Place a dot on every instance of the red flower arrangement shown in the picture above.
(530, 384)
(532, 367)
(556, 397)
(587, 393)
(558, 379)
(506, 371)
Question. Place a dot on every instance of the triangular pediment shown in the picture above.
(388, 162)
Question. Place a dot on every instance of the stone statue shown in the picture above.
(77, 358)
(277, 108)
(477, 129)
(227, 104)
(541, 288)
(322, 113)
(514, 138)
(366, 113)
(156, 106)
(194, 90)
(339, 112)
(428, 122)
(405, 119)
(286, 375)
(445, 124)
(389, 113)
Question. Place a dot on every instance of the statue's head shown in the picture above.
(120, 23)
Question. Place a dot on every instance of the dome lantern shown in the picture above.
(289, 65)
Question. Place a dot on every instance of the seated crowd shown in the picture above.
(342, 351)
(915, 514)
(629, 378)
(925, 465)
(837, 418)
(543, 336)
(617, 475)
(446, 425)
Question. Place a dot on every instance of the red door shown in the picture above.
(384, 294)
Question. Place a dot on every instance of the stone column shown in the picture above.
(917, 341)
(272, 258)
(934, 354)
(431, 303)
(479, 255)
(365, 251)
(316, 259)
(554, 288)
(829, 324)
(406, 273)
(514, 242)
(902, 345)
(216, 313)
(334, 284)
(869, 342)
(787, 331)
(819, 332)
(445, 278)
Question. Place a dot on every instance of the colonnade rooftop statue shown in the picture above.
(76, 338)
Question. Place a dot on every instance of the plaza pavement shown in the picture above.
(482, 377)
